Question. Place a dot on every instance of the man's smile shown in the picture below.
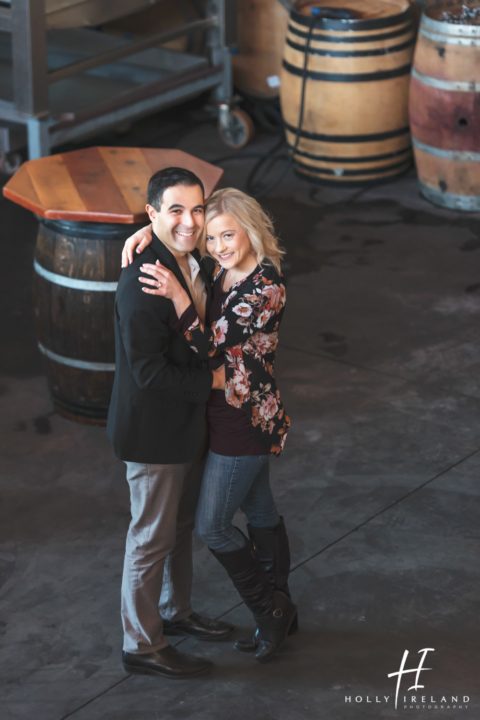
(185, 234)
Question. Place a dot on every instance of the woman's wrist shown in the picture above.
(181, 302)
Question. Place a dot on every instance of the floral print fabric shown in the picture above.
(247, 332)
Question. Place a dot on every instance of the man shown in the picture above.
(156, 423)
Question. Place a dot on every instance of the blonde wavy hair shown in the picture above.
(252, 217)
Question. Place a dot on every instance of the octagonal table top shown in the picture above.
(99, 184)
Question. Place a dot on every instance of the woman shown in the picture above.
(247, 421)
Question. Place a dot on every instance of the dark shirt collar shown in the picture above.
(168, 259)
(165, 255)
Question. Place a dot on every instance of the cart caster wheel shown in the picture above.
(9, 162)
(239, 131)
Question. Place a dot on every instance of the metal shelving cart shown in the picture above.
(59, 85)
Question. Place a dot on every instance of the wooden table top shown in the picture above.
(99, 184)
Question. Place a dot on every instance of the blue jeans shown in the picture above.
(230, 483)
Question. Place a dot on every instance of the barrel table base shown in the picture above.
(77, 266)
(80, 394)
(77, 413)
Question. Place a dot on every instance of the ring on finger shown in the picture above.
(159, 285)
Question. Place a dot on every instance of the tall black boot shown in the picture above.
(271, 544)
(273, 610)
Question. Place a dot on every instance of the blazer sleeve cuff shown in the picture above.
(185, 320)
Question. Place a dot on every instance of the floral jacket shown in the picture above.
(247, 332)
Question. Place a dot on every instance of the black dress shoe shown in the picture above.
(200, 628)
(167, 662)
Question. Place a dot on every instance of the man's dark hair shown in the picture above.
(168, 177)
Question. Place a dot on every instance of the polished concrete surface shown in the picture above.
(379, 369)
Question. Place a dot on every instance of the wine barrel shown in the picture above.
(353, 62)
(261, 28)
(445, 109)
(77, 267)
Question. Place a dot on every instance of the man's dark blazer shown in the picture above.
(157, 410)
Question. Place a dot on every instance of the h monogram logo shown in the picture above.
(416, 670)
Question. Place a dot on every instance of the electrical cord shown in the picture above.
(266, 161)
(265, 111)
(254, 183)
(254, 186)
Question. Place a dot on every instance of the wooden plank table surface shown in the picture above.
(99, 184)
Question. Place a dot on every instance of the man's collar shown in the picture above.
(166, 256)
(168, 259)
(196, 254)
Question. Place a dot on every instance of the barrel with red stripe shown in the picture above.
(445, 110)
(354, 59)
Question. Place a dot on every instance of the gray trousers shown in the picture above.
(158, 570)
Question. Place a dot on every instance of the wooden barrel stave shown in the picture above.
(349, 152)
(349, 177)
(446, 61)
(261, 27)
(77, 396)
(359, 39)
(325, 110)
(78, 315)
(445, 120)
(380, 57)
(453, 173)
(369, 14)
(353, 64)
(444, 111)
(355, 168)
(74, 325)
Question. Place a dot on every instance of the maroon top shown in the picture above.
(230, 428)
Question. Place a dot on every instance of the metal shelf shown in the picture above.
(66, 84)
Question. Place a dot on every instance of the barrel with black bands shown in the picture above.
(355, 60)
(77, 266)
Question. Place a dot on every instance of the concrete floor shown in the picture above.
(379, 369)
